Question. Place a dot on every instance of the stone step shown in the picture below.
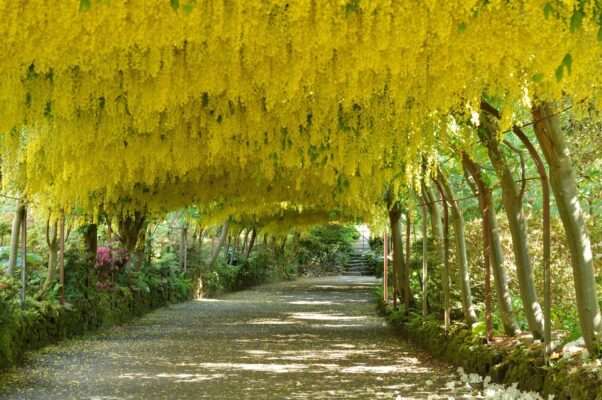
(357, 268)
(356, 263)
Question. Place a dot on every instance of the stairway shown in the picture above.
(356, 266)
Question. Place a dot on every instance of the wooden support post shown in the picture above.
(487, 267)
(385, 269)
(184, 248)
(424, 262)
(23, 256)
(62, 256)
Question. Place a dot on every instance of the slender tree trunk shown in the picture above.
(496, 254)
(91, 242)
(564, 186)
(90, 233)
(184, 248)
(245, 242)
(438, 240)
(23, 257)
(445, 271)
(251, 243)
(220, 243)
(461, 257)
(61, 258)
(53, 248)
(407, 295)
(545, 194)
(283, 245)
(398, 259)
(15, 237)
(386, 268)
(487, 268)
(199, 238)
(516, 221)
(424, 261)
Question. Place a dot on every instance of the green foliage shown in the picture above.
(326, 246)
(262, 266)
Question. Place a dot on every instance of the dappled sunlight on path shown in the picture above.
(309, 339)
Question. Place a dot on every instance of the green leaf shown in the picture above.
(461, 27)
(175, 4)
(479, 328)
(576, 20)
(559, 72)
(188, 8)
(547, 10)
(600, 32)
(568, 62)
(537, 77)
(352, 6)
(84, 5)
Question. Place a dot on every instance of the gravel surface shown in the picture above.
(308, 339)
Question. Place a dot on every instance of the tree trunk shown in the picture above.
(406, 272)
(184, 248)
(424, 260)
(401, 283)
(15, 237)
(23, 256)
(516, 221)
(461, 257)
(545, 194)
(434, 208)
(496, 254)
(283, 245)
(245, 241)
(131, 228)
(220, 243)
(61, 258)
(90, 233)
(446, 302)
(53, 248)
(91, 242)
(251, 243)
(564, 186)
(199, 238)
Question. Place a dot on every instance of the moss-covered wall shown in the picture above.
(523, 364)
(42, 323)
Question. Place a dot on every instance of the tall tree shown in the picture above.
(512, 201)
(401, 283)
(220, 243)
(564, 186)
(470, 315)
(15, 237)
(545, 194)
(434, 205)
(251, 243)
(53, 249)
(496, 254)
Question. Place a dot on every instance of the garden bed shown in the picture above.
(507, 362)
(42, 323)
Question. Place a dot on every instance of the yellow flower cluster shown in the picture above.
(159, 103)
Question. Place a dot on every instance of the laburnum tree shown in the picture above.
(297, 109)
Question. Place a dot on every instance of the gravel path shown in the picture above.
(308, 339)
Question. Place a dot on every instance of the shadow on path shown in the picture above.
(308, 339)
